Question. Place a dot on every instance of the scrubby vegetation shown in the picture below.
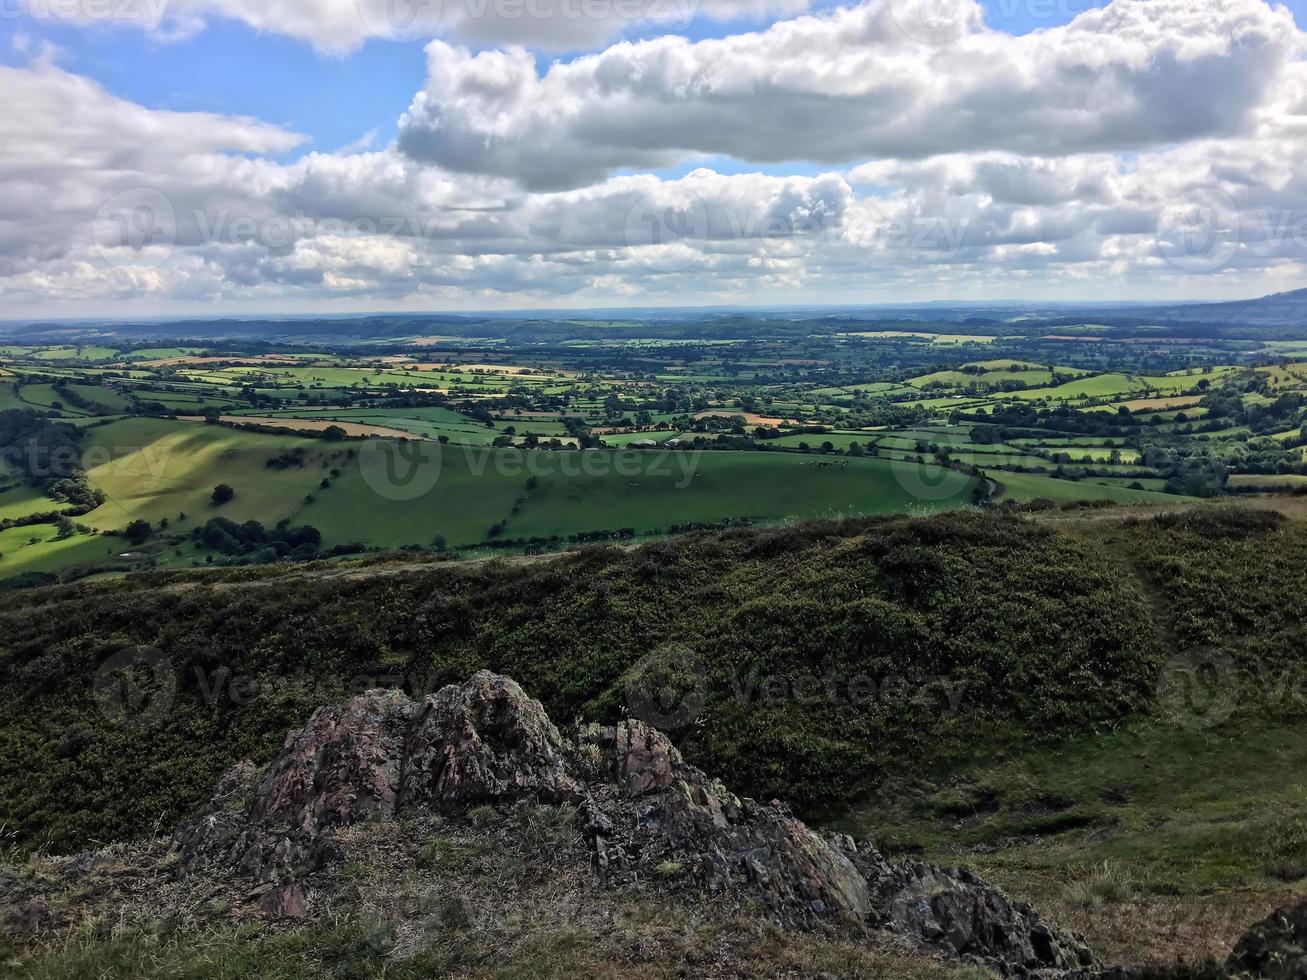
(806, 662)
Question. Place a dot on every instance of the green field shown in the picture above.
(1097, 386)
(608, 491)
(153, 468)
(903, 390)
(88, 353)
(1031, 486)
(993, 372)
(1268, 480)
(428, 423)
(23, 501)
(36, 549)
(9, 397)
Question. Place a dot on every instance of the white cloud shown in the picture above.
(507, 198)
(851, 86)
(338, 27)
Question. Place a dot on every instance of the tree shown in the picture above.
(333, 433)
(222, 493)
(137, 532)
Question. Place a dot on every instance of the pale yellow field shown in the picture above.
(937, 338)
(1149, 404)
(750, 418)
(310, 425)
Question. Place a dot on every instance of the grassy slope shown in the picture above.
(1167, 836)
(21, 500)
(8, 397)
(896, 614)
(1031, 486)
(1158, 834)
(154, 469)
(1158, 842)
(714, 486)
(36, 548)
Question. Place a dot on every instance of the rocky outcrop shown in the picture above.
(1275, 948)
(484, 742)
(658, 816)
(954, 912)
(646, 815)
(276, 826)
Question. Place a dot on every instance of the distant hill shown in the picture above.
(1279, 316)
(1277, 310)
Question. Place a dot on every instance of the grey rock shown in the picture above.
(1275, 948)
(484, 742)
(276, 824)
(659, 817)
(957, 913)
(645, 813)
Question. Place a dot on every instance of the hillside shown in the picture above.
(1288, 309)
(902, 615)
(380, 801)
(930, 683)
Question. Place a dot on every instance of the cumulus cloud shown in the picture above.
(338, 27)
(502, 188)
(852, 85)
(69, 149)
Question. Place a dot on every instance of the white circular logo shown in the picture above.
(924, 474)
(662, 227)
(135, 688)
(1198, 231)
(401, 21)
(932, 21)
(1199, 688)
(400, 470)
(135, 227)
(667, 688)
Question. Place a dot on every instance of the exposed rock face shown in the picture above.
(954, 912)
(1275, 948)
(228, 816)
(644, 812)
(484, 742)
(341, 768)
(660, 816)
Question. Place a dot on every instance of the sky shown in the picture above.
(204, 157)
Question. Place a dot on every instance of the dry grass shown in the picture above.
(507, 893)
